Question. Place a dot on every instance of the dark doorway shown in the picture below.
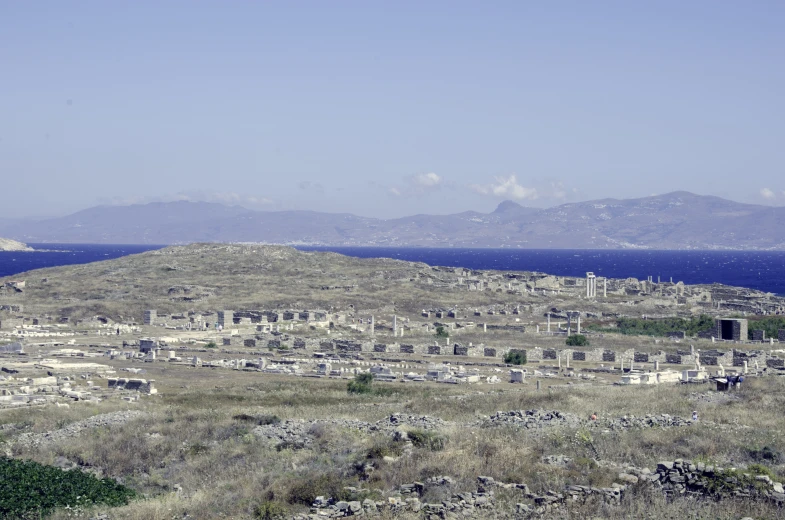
(726, 329)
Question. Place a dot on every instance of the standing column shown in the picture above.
(373, 327)
(569, 323)
(549, 322)
(395, 325)
(579, 323)
(604, 287)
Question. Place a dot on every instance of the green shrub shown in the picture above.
(427, 439)
(361, 384)
(515, 357)
(305, 490)
(32, 490)
(766, 453)
(261, 420)
(441, 333)
(760, 469)
(269, 511)
(577, 340)
(211, 345)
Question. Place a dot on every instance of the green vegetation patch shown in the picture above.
(660, 327)
(515, 357)
(577, 340)
(30, 490)
(770, 324)
(427, 439)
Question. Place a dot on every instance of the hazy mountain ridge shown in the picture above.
(678, 220)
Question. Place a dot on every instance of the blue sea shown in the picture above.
(758, 270)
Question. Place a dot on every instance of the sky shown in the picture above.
(385, 109)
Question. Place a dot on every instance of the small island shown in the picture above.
(6, 244)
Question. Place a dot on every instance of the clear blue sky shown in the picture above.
(388, 108)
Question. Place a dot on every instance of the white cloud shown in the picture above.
(768, 194)
(506, 187)
(427, 180)
(418, 184)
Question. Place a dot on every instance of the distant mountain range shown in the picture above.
(678, 220)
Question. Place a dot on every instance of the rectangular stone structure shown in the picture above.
(709, 360)
(578, 356)
(641, 357)
(775, 363)
(150, 316)
(758, 335)
(460, 350)
(327, 345)
(227, 341)
(609, 356)
(379, 347)
(250, 343)
(731, 329)
(407, 349)
(549, 354)
(489, 352)
(225, 318)
(434, 349)
(674, 359)
(298, 343)
(781, 335)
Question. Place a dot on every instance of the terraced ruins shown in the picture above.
(252, 381)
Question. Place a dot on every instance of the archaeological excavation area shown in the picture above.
(263, 382)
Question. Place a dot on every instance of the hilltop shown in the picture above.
(209, 277)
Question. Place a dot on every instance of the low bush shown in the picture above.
(269, 511)
(515, 357)
(765, 454)
(577, 340)
(361, 384)
(305, 490)
(31, 490)
(261, 420)
(427, 439)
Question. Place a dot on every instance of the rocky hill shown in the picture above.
(678, 220)
(12, 245)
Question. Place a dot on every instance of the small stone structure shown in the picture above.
(731, 329)
(225, 318)
(150, 316)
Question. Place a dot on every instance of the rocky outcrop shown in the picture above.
(6, 244)
(679, 477)
(35, 440)
(535, 419)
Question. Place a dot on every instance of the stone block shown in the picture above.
(775, 363)
(674, 359)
